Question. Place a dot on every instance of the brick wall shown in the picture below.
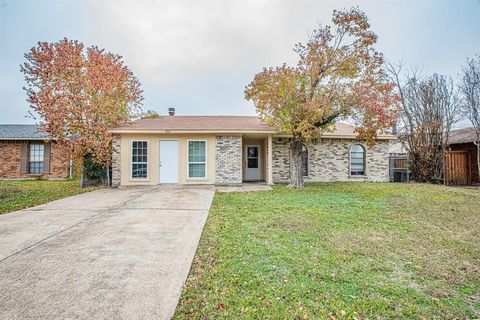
(10, 162)
(328, 160)
(280, 160)
(228, 160)
(59, 164)
(116, 174)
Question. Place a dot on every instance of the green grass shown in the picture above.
(20, 194)
(340, 250)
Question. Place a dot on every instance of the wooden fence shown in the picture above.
(457, 168)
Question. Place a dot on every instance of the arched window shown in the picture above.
(304, 161)
(357, 160)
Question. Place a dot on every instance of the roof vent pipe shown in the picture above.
(171, 111)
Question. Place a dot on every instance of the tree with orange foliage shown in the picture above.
(339, 75)
(79, 94)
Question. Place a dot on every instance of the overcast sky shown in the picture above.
(197, 56)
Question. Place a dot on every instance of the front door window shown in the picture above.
(252, 163)
(252, 157)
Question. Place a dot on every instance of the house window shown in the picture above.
(197, 160)
(357, 160)
(139, 159)
(304, 161)
(35, 160)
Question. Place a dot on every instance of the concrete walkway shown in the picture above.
(107, 254)
(245, 187)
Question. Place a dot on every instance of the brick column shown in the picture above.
(228, 160)
(280, 160)
(270, 160)
(116, 160)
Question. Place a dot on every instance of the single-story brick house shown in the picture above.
(27, 153)
(229, 150)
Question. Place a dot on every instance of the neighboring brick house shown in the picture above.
(229, 150)
(26, 153)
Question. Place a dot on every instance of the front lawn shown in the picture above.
(20, 194)
(340, 250)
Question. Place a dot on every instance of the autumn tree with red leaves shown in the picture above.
(339, 75)
(79, 94)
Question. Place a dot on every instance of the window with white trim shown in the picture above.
(139, 159)
(197, 159)
(357, 160)
(35, 159)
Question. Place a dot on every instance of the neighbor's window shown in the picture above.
(139, 159)
(304, 161)
(35, 163)
(197, 159)
(357, 160)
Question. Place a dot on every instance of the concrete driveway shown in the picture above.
(108, 254)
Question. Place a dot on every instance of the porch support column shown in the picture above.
(270, 160)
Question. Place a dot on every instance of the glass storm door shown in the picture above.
(252, 163)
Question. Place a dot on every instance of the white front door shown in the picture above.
(252, 162)
(168, 166)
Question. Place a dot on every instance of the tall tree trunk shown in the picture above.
(296, 176)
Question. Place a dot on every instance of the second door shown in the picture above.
(168, 166)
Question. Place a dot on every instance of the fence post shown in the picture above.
(108, 176)
(407, 165)
(81, 177)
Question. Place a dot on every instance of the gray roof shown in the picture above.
(464, 135)
(21, 132)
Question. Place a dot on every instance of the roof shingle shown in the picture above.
(21, 132)
(198, 123)
(465, 135)
(219, 124)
